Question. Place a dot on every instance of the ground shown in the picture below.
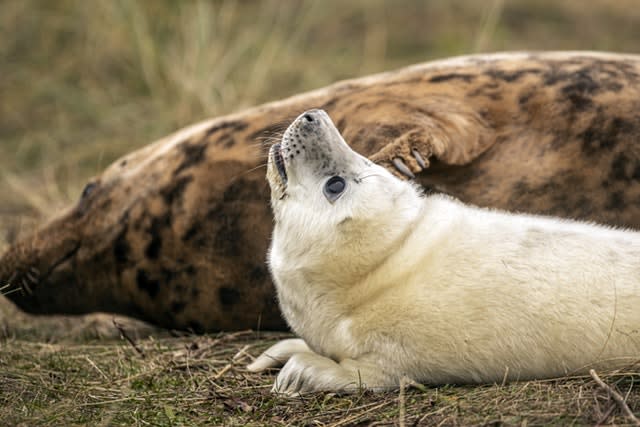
(201, 380)
(85, 82)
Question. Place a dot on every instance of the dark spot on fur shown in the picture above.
(173, 192)
(511, 76)
(490, 91)
(226, 140)
(552, 196)
(121, 248)
(220, 227)
(233, 126)
(168, 275)
(228, 296)
(580, 99)
(178, 306)
(341, 125)
(193, 154)
(229, 142)
(192, 231)
(258, 274)
(452, 76)
(147, 284)
(524, 98)
(123, 163)
(605, 133)
(580, 86)
(229, 237)
(158, 225)
(582, 82)
(616, 201)
(241, 190)
(624, 168)
(618, 167)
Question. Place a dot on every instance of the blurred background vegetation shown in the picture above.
(83, 82)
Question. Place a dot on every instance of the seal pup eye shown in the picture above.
(334, 188)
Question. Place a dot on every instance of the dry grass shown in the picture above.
(84, 82)
(202, 381)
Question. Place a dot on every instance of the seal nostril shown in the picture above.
(308, 117)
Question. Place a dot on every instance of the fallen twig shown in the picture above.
(126, 336)
(402, 410)
(615, 396)
(223, 371)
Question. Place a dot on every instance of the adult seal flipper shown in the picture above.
(176, 233)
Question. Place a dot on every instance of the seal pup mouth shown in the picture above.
(278, 160)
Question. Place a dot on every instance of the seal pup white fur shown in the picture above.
(381, 281)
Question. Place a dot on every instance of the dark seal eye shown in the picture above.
(88, 189)
(85, 198)
(334, 188)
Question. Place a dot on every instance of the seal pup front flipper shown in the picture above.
(305, 370)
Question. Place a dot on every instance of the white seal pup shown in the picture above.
(381, 281)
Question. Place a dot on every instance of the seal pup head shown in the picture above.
(331, 204)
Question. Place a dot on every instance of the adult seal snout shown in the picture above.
(381, 281)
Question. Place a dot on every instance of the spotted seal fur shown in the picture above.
(176, 233)
(382, 282)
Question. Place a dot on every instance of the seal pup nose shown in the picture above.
(314, 115)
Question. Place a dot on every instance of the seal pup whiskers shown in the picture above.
(381, 281)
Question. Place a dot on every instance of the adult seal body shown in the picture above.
(381, 281)
(176, 233)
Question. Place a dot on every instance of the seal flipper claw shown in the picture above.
(402, 168)
(419, 159)
(278, 354)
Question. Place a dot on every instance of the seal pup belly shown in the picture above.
(381, 281)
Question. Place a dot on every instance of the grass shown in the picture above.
(201, 380)
(82, 83)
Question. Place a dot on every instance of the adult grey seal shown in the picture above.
(176, 233)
